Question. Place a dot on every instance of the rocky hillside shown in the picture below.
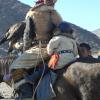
(97, 32)
(12, 11)
(83, 35)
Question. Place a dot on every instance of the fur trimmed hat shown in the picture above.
(48, 2)
(39, 1)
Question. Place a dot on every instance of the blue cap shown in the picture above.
(65, 27)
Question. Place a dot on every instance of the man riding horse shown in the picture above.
(40, 23)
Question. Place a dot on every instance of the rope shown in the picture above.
(33, 98)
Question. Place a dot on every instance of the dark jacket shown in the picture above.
(88, 59)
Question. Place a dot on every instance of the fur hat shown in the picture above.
(39, 1)
(47, 2)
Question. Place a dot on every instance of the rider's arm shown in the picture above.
(28, 33)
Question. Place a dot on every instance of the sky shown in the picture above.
(84, 13)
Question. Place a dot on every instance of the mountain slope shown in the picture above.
(97, 32)
(11, 11)
(83, 35)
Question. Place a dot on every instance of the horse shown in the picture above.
(62, 88)
(73, 84)
(84, 77)
(80, 81)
